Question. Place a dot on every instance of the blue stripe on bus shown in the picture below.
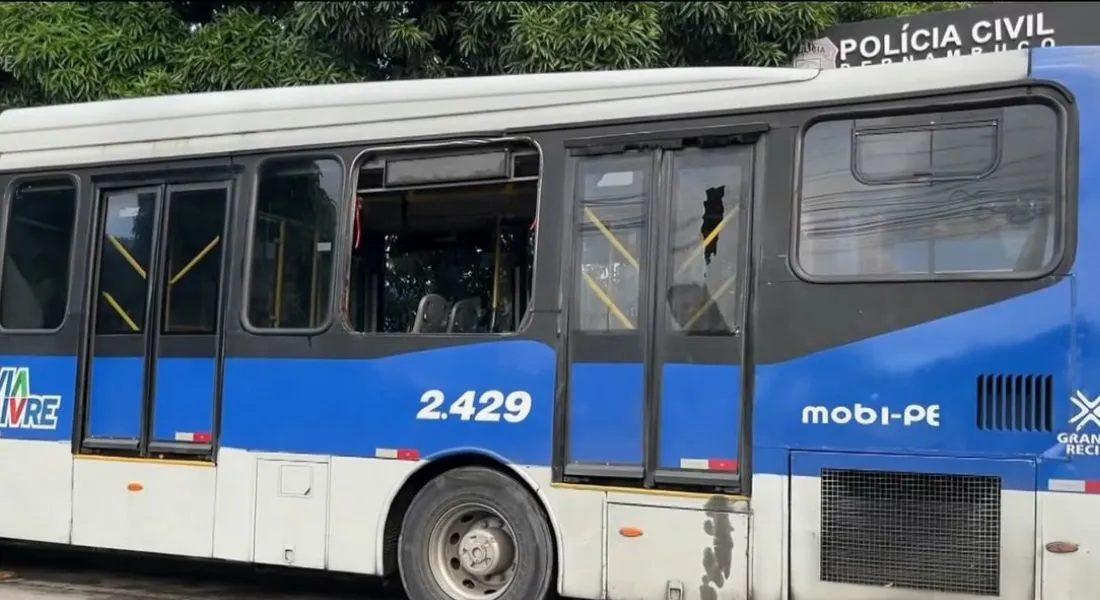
(606, 413)
(115, 397)
(184, 397)
(50, 376)
(700, 413)
(352, 407)
(933, 364)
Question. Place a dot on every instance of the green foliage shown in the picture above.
(60, 52)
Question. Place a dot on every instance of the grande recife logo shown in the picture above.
(22, 409)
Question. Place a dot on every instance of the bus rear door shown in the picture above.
(654, 374)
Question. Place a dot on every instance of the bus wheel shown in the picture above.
(475, 533)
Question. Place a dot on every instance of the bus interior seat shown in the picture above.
(464, 316)
(431, 315)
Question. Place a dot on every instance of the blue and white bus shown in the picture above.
(694, 334)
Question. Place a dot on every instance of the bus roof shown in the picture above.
(362, 113)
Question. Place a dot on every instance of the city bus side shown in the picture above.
(661, 522)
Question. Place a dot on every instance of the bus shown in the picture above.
(684, 334)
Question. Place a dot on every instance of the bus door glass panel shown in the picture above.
(606, 377)
(698, 347)
(117, 362)
(186, 368)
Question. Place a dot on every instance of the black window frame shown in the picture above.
(1064, 215)
(8, 202)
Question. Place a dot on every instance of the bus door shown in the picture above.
(654, 359)
(694, 364)
(152, 362)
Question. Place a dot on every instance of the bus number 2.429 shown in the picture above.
(469, 405)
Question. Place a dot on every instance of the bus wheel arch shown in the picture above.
(418, 479)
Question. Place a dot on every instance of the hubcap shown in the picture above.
(472, 553)
(486, 552)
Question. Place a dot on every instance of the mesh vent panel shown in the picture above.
(911, 530)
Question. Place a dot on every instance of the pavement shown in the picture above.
(36, 575)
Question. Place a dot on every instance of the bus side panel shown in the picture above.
(36, 419)
(699, 422)
(893, 443)
(838, 523)
(915, 390)
(405, 406)
(606, 410)
(1069, 473)
(184, 390)
(700, 416)
(115, 397)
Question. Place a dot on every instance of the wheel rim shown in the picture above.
(472, 553)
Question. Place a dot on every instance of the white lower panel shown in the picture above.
(144, 506)
(36, 490)
(1017, 551)
(577, 518)
(235, 506)
(697, 554)
(291, 513)
(360, 494)
(1070, 517)
(769, 537)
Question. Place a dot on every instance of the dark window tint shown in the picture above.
(125, 250)
(196, 222)
(35, 287)
(612, 195)
(292, 248)
(971, 192)
(704, 227)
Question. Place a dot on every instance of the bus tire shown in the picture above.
(474, 532)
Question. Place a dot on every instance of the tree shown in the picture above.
(400, 39)
(60, 52)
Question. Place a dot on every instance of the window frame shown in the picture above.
(222, 296)
(9, 195)
(650, 171)
(410, 150)
(1064, 192)
(868, 180)
(250, 233)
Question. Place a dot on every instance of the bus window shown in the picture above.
(613, 193)
(126, 253)
(443, 243)
(196, 220)
(927, 195)
(707, 190)
(291, 278)
(35, 287)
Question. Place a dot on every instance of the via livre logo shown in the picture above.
(22, 409)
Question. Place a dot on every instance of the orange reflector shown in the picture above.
(1061, 547)
(134, 486)
(630, 532)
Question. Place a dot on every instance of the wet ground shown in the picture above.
(28, 573)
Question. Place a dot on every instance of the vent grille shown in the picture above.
(1015, 402)
(911, 530)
